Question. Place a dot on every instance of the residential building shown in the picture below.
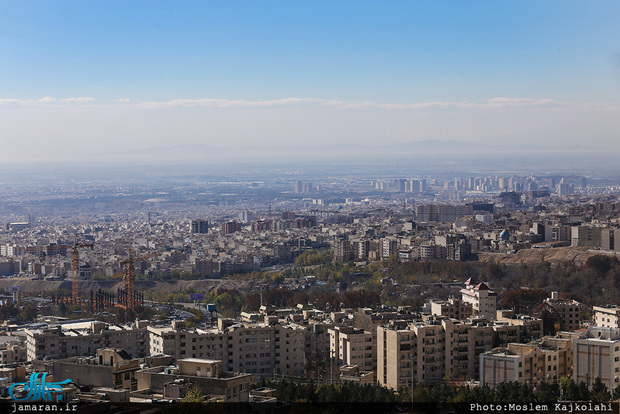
(216, 384)
(200, 226)
(607, 317)
(84, 338)
(452, 308)
(351, 346)
(596, 354)
(547, 359)
(352, 373)
(481, 298)
(111, 368)
(12, 350)
(258, 348)
(409, 352)
(230, 227)
(565, 314)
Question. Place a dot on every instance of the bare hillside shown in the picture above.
(530, 256)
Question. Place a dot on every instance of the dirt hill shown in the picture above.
(530, 256)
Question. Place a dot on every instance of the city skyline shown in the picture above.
(91, 82)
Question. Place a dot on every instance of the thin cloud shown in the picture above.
(498, 102)
(77, 100)
(227, 103)
(523, 102)
(46, 101)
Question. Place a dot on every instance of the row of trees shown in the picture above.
(509, 392)
(312, 392)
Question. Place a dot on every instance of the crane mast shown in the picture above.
(129, 281)
(75, 268)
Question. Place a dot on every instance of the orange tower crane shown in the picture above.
(75, 267)
(129, 278)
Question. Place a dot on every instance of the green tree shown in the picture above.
(584, 394)
(8, 311)
(570, 391)
(548, 392)
(194, 395)
(28, 313)
(616, 393)
(599, 391)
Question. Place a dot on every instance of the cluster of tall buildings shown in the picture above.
(460, 340)
(305, 187)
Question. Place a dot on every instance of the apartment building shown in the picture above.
(342, 250)
(215, 383)
(529, 327)
(507, 365)
(596, 354)
(439, 347)
(566, 314)
(607, 317)
(12, 350)
(258, 348)
(409, 352)
(585, 236)
(556, 358)
(389, 247)
(111, 368)
(547, 359)
(84, 338)
(442, 213)
(481, 298)
(463, 345)
(368, 320)
(351, 346)
(199, 226)
(452, 308)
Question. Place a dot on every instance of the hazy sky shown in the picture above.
(79, 78)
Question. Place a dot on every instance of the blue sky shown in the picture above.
(541, 55)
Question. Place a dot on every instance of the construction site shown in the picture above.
(126, 297)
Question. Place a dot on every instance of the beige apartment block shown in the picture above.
(507, 365)
(452, 308)
(174, 381)
(439, 348)
(410, 352)
(607, 317)
(256, 348)
(464, 344)
(12, 350)
(547, 359)
(596, 354)
(396, 356)
(351, 346)
(556, 358)
(530, 328)
(368, 320)
(84, 339)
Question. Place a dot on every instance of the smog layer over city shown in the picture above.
(322, 206)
